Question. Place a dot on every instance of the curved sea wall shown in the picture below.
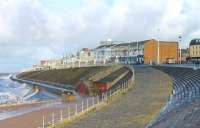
(82, 80)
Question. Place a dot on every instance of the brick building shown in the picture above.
(168, 52)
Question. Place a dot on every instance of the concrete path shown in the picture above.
(135, 109)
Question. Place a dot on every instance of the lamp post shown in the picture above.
(158, 56)
(137, 52)
(129, 52)
(180, 56)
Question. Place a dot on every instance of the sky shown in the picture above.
(31, 30)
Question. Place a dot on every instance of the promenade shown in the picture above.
(135, 109)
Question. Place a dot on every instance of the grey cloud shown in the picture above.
(30, 31)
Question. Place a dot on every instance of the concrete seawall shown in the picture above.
(65, 80)
(51, 88)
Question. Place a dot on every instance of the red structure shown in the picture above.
(102, 86)
(82, 88)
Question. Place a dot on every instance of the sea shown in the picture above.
(12, 91)
(15, 92)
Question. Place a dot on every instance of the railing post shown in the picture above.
(76, 111)
(97, 99)
(69, 114)
(53, 121)
(121, 89)
(102, 97)
(118, 90)
(43, 122)
(106, 96)
(124, 87)
(87, 104)
(129, 81)
(127, 85)
(82, 106)
(61, 115)
(93, 101)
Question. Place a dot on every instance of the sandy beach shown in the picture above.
(28, 120)
(32, 118)
(19, 105)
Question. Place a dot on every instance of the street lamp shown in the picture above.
(158, 56)
(180, 48)
(129, 52)
(137, 54)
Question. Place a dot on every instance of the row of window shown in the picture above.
(195, 53)
(196, 47)
(197, 40)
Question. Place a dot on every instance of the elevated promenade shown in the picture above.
(136, 108)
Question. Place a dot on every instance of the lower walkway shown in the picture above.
(136, 108)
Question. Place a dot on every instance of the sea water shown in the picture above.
(11, 91)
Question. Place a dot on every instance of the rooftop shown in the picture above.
(113, 75)
(195, 42)
(131, 44)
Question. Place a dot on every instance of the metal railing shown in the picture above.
(89, 104)
(75, 65)
(21, 101)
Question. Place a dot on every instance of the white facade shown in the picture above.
(120, 52)
(86, 56)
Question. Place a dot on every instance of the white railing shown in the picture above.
(21, 101)
(75, 65)
(75, 110)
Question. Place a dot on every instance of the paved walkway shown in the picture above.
(136, 108)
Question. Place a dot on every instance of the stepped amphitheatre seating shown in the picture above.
(184, 106)
(186, 83)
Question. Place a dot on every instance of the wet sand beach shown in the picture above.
(28, 120)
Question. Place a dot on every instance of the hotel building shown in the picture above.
(137, 52)
(194, 50)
